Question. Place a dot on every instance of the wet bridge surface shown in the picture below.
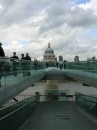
(59, 116)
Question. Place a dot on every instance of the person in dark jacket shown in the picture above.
(23, 65)
(27, 57)
(2, 54)
(14, 60)
(28, 61)
(14, 56)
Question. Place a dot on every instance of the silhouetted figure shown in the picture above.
(22, 57)
(61, 65)
(23, 65)
(47, 64)
(27, 57)
(28, 61)
(2, 54)
(14, 60)
(37, 95)
(35, 64)
(57, 64)
(64, 64)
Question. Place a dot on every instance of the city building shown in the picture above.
(76, 59)
(60, 58)
(49, 55)
(91, 59)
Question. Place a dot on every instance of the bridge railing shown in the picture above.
(82, 65)
(16, 75)
(87, 103)
(13, 116)
(14, 71)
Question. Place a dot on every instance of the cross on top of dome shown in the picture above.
(49, 45)
(49, 49)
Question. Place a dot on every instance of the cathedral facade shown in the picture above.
(49, 55)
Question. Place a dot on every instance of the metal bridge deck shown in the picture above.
(59, 116)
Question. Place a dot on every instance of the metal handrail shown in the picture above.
(17, 109)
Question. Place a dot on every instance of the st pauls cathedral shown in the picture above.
(49, 55)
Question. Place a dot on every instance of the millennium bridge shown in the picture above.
(51, 114)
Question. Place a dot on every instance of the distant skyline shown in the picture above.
(69, 25)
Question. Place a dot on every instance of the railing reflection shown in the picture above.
(13, 71)
(87, 103)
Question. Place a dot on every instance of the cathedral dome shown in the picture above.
(49, 54)
(49, 49)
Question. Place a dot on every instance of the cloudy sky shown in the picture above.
(69, 25)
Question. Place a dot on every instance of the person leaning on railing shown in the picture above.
(2, 54)
(28, 61)
(14, 60)
(23, 65)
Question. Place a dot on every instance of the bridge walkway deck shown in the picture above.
(59, 116)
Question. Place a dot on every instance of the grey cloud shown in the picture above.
(58, 15)
(6, 4)
(20, 11)
(49, 25)
(79, 17)
(55, 15)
